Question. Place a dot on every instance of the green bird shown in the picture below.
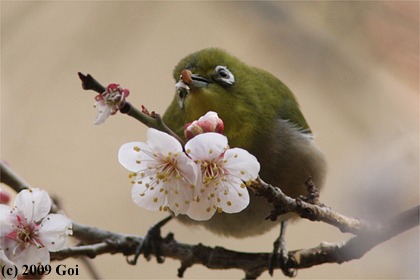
(261, 115)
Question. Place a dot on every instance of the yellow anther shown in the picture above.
(239, 194)
(198, 199)
(229, 203)
(208, 209)
(211, 151)
(202, 190)
(219, 210)
(242, 172)
(130, 175)
(178, 176)
(212, 195)
(225, 160)
(142, 194)
(188, 151)
(165, 208)
(132, 182)
(218, 199)
(248, 183)
(243, 185)
(175, 155)
(176, 204)
(138, 162)
(137, 149)
(147, 185)
(186, 201)
(166, 192)
(139, 182)
(142, 174)
(192, 186)
(236, 155)
(155, 199)
(161, 189)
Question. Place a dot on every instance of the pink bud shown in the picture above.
(4, 197)
(210, 122)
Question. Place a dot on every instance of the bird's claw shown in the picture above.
(279, 257)
(150, 244)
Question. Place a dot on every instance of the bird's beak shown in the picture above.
(187, 79)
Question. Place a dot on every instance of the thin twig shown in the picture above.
(153, 121)
(284, 204)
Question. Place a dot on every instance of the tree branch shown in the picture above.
(253, 264)
(98, 241)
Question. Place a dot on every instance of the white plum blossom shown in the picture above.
(223, 173)
(163, 175)
(28, 232)
(109, 102)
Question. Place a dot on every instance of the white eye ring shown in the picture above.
(225, 75)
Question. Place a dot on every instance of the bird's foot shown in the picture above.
(151, 243)
(280, 257)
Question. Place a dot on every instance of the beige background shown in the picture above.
(353, 67)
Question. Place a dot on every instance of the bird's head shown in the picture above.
(246, 98)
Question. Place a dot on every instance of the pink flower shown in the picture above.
(109, 102)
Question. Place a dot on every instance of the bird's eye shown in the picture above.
(225, 75)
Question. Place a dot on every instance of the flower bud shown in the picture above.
(210, 122)
(4, 197)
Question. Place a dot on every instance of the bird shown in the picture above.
(261, 115)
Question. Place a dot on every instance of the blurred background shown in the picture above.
(353, 66)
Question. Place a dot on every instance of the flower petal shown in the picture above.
(241, 163)
(235, 198)
(54, 231)
(206, 146)
(104, 111)
(210, 117)
(180, 196)
(8, 220)
(204, 206)
(150, 198)
(34, 204)
(162, 142)
(131, 156)
(33, 255)
(6, 263)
